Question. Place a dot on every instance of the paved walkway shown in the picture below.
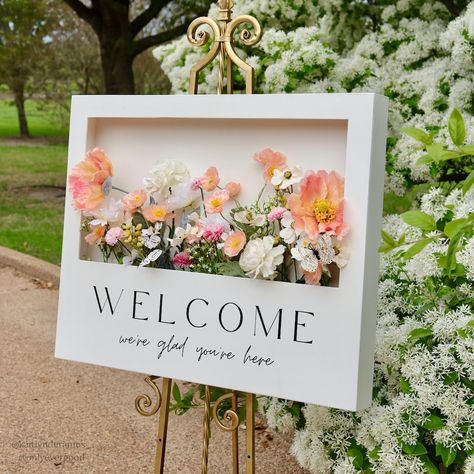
(51, 408)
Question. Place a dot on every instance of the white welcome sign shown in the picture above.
(299, 342)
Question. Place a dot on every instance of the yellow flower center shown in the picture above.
(216, 202)
(324, 211)
(159, 213)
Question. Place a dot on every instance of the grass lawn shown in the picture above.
(42, 121)
(32, 180)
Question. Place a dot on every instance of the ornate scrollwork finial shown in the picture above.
(144, 402)
(225, 4)
(222, 45)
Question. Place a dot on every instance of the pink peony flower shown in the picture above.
(271, 160)
(276, 214)
(215, 203)
(132, 201)
(234, 244)
(210, 179)
(233, 189)
(213, 232)
(320, 205)
(96, 234)
(89, 181)
(113, 235)
(182, 260)
(155, 213)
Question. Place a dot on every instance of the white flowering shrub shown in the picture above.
(421, 55)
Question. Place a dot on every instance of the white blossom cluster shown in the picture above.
(423, 60)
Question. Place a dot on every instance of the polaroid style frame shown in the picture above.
(298, 342)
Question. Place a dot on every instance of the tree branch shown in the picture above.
(144, 43)
(86, 13)
(147, 15)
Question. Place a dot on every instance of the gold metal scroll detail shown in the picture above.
(222, 44)
(144, 402)
(230, 417)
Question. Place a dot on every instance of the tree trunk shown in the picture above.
(116, 47)
(19, 93)
(117, 67)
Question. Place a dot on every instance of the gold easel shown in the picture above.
(222, 45)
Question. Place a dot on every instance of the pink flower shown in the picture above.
(234, 244)
(182, 260)
(276, 214)
(89, 181)
(215, 203)
(155, 213)
(196, 184)
(96, 234)
(271, 160)
(132, 201)
(213, 232)
(320, 205)
(233, 189)
(210, 179)
(113, 235)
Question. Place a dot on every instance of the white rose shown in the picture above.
(260, 258)
(182, 195)
(163, 176)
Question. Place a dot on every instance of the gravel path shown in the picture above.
(62, 416)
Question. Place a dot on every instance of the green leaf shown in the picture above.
(468, 149)
(419, 219)
(357, 457)
(419, 333)
(435, 151)
(424, 160)
(418, 135)
(451, 253)
(374, 454)
(456, 127)
(452, 228)
(448, 455)
(429, 466)
(176, 393)
(416, 248)
(231, 269)
(388, 238)
(384, 248)
(450, 378)
(434, 422)
(417, 449)
(405, 385)
(468, 182)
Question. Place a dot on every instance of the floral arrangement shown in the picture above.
(419, 54)
(294, 233)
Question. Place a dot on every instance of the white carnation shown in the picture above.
(260, 258)
(163, 176)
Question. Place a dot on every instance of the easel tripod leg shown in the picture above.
(206, 429)
(250, 432)
(163, 427)
(235, 437)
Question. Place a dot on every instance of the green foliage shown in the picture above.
(32, 183)
(44, 120)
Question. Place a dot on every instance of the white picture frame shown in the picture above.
(326, 347)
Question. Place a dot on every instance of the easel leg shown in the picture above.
(163, 427)
(250, 432)
(235, 438)
(206, 429)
